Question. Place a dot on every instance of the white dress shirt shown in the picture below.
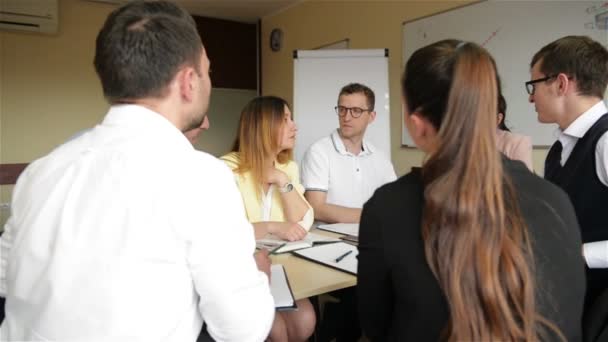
(577, 129)
(596, 253)
(127, 233)
(348, 179)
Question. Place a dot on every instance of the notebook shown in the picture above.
(277, 246)
(341, 256)
(341, 228)
(280, 289)
(350, 239)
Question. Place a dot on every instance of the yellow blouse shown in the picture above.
(254, 205)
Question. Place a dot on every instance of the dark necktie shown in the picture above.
(552, 163)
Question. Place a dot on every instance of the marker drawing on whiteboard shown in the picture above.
(491, 37)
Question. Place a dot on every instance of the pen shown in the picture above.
(338, 259)
(274, 251)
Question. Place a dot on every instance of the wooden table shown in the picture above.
(309, 278)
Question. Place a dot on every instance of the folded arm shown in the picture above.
(331, 213)
(295, 207)
(289, 231)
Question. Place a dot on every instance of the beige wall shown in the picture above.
(224, 113)
(368, 25)
(48, 88)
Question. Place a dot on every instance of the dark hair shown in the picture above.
(579, 57)
(475, 239)
(356, 88)
(258, 135)
(141, 47)
(502, 108)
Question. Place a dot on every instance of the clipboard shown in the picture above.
(350, 239)
(278, 246)
(281, 289)
(328, 254)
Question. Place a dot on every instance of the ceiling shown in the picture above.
(249, 11)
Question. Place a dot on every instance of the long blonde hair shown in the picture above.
(476, 241)
(258, 136)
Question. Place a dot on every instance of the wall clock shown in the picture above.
(276, 39)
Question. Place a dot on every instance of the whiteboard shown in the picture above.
(318, 77)
(512, 31)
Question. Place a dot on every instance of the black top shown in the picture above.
(400, 299)
(578, 177)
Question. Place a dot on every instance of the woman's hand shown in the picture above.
(288, 231)
(275, 176)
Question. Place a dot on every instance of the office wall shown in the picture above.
(224, 113)
(48, 88)
(367, 25)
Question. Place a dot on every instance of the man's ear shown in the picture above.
(372, 116)
(564, 84)
(186, 78)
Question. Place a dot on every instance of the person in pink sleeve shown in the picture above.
(514, 146)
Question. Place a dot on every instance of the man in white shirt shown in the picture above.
(569, 79)
(341, 172)
(126, 233)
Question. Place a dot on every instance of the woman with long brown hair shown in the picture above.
(472, 246)
(268, 178)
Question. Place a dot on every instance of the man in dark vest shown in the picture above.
(569, 78)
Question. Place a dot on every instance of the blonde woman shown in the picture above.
(268, 178)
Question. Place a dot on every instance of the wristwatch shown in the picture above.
(286, 188)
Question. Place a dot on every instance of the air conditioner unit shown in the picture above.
(114, 2)
(29, 15)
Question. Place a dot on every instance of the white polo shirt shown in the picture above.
(349, 180)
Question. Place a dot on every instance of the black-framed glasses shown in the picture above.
(355, 112)
(530, 88)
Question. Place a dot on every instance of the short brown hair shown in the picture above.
(356, 88)
(579, 57)
(141, 47)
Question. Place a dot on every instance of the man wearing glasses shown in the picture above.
(340, 173)
(569, 78)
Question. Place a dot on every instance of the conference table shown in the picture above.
(307, 278)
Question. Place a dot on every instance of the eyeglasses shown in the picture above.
(530, 84)
(355, 112)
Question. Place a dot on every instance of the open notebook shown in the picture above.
(280, 289)
(341, 256)
(275, 244)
